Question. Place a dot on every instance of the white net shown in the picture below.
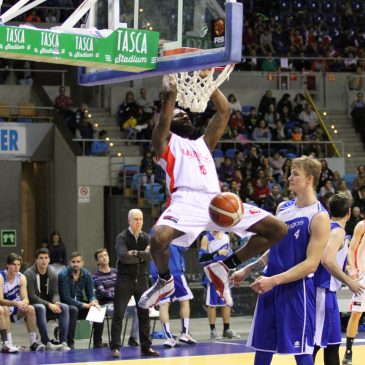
(194, 89)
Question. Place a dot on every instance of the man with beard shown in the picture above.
(192, 181)
(76, 288)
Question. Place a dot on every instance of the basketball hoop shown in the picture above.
(194, 90)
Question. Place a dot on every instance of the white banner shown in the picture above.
(12, 140)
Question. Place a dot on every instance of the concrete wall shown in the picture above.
(12, 95)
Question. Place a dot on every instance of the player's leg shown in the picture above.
(263, 358)
(159, 248)
(226, 317)
(6, 346)
(351, 332)
(331, 355)
(165, 323)
(185, 319)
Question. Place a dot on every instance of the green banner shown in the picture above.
(124, 49)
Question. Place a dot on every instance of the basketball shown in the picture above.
(226, 209)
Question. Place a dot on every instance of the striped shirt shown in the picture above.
(104, 285)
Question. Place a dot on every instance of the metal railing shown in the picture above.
(33, 70)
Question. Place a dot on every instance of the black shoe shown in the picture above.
(133, 342)
(149, 352)
(71, 346)
(116, 353)
(100, 345)
(347, 359)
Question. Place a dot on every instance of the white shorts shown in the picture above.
(188, 213)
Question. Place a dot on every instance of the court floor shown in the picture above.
(203, 353)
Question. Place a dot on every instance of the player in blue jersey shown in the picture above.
(182, 294)
(328, 280)
(215, 246)
(284, 319)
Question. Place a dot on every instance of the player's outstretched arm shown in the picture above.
(162, 128)
(218, 123)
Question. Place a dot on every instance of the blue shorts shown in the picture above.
(182, 291)
(213, 299)
(284, 318)
(328, 322)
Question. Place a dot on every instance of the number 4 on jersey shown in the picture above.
(296, 234)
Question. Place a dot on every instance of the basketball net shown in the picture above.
(194, 89)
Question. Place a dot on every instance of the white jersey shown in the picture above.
(216, 244)
(360, 252)
(189, 164)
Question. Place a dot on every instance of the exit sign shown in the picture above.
(8, 237)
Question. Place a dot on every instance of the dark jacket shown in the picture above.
(77, 293)
(33, 286)
(136, 267)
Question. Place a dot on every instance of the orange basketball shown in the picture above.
(226, 209)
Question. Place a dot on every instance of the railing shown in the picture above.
(31, 70)
(35, 113)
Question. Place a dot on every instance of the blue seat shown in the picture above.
(137, 181)
(246, 109)
(153, 194)
(284, 5)
(231, 152)
(349, 178)
(217, 153)
(291, 155)
(24, 120)
(357, 6)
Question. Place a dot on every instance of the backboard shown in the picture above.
(192, 34)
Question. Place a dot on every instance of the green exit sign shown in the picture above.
(8, 237)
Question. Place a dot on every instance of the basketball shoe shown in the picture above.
(218, 275)
(347, 359)
(158, 291)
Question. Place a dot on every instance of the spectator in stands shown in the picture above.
(226, 170)
(234, 103)
(145, 103)
(277, 163)
(124, 109)
(251, 40)
(358, 112)
(296, 41)
(272, 200)
(104, 281)
(359, 179)
(285, 102)
(296, 134)
(76, 289)
(100, 147)
(42, 286)
(147, 161)
(271, 116)
(15, 303)
(359, 200)
(25, 77)
(267, 169)
(247, 193)
(85, 130)
(58, 254)
(286, 173)
(236, 122)
(326, 174)
(158, 103)
(261, 191)
(355, 218)
(342, 188)
(265, 102)
(302, 64)
(234, 188)
(51, 16)
(63, 103)
(252, 161)
(261, 132)
(326, 188)
(299, 103)
(308, 119)
(269, 64)
(266, 45)
(356, 81)
(279, 133)
(336, 180)
(251, 121)
(33, 17)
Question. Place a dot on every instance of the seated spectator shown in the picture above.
(252, 161)
(85, 130)
(302, 64)
(267, 169)
(236, 122)
(296, 134)
(266, 45)
(271, 116)
(100, 147)
(226, 170)
(33, 17)
(265, 102)
(269, 63)
(326, 174)
(296, 41)
(124, 109)
(234, 103)
(336, 180)
(129, 126)
(42, 286)
(286, 173)
(63, 103)
(299, 103)
(247, 193)
(358, 111)
(57, 250)
(261, 132)
(104, 281)
(234, 188)
(308, 118)
(76, 289)
(15, 303)
(359, 201)
(327, 188)
(359, 179)
(251, 40)
(342, 188)
(277, 163)
(354, 219)
(147, 161)
(51, 16)
(279, 132)
(25, 77)
(251, 121)
(261, 191)
(285, 102)
(272, 200)
(145, 103)
(356, 81)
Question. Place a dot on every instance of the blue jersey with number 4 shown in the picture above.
(292, 249)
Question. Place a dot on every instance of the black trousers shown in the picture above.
(125, 288)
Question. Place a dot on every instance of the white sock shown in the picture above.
(33, 337)
(166, 329)
(10, 341)
(185, 325)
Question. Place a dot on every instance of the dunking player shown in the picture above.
(284, 317)
(192, 182)
(328, 280)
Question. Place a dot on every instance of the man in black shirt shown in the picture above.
(133, 253)
(42, 286)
